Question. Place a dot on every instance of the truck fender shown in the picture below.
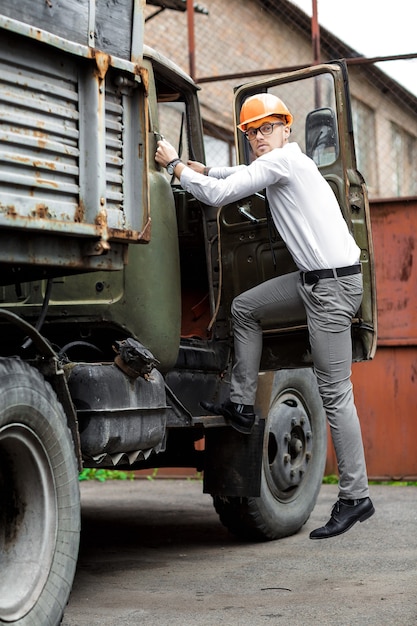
(49, 367)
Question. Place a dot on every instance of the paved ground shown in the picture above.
(154, 553)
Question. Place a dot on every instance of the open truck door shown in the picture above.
(252, 251)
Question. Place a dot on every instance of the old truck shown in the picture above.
(116, 288)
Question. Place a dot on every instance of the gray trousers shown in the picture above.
(329, 306)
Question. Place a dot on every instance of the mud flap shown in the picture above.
(233, 462)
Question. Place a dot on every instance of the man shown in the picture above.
(328, 286)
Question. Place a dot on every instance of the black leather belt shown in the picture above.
(313, 277)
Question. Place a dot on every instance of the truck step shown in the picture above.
(209, 421)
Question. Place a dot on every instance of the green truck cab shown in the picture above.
(116, 289)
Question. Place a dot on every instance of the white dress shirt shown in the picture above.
(303, 206)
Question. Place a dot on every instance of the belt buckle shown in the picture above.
(311, 279)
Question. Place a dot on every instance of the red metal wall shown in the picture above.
(386, 388)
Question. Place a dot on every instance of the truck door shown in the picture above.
(252, 251)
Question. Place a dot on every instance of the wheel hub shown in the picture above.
(290, 443)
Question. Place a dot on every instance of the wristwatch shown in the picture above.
(172, 165)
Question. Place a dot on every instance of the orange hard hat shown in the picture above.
(262, 105)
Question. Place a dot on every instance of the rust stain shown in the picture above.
(102, 62)
(407, 265)
(101, 219)
(116, 234)
(413, 376)
(11, 211)
(144, 74)
(39, 164)
(145, 234)
(41, 211)
(44, 181)
(79, 213)
(22, 159)
(41, 137)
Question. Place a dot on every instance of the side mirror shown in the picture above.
(322, 142)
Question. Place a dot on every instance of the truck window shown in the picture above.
(312, 102)
(173, 125)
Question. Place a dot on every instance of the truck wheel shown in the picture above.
(39, 500)
(294, 457)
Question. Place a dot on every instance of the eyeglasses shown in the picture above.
(265, 129)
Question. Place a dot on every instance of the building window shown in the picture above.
(404, 158)
(219, 145)
(365, 142)
(218, 151)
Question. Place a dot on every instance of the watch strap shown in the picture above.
(172, 164)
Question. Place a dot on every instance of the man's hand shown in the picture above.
(197, 167)
(165, 153)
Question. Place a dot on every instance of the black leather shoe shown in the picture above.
(345, 514)
(242, 422)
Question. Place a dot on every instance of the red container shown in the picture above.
(386, 388)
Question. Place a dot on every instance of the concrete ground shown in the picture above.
(155, 553)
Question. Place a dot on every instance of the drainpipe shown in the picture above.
(315, 38)
(191, 39)
(315, 34)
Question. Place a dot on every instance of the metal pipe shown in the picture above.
(315, 33)
(191, 37)
(291, 68)
(315, 39)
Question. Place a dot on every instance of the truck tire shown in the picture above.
(39, 500)
(294, 457)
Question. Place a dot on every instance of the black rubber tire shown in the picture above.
(39, 500)
(294, 458)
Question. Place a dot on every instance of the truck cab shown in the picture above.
(116, 292)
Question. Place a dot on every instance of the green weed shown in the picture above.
(332, 479)
(104, 474)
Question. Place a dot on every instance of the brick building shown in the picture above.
(237, 40)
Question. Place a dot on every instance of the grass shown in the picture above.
(333, 480)
(105, 474)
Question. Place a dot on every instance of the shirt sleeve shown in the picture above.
(224, 172)
(241, 182)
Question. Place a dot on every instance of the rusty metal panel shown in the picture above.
(126, 204)
(386, 395)
(72, 137)
(69, 18)
(114, 151)
(114, 27)
(386, 399)
(39, 147)
(394, 227)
